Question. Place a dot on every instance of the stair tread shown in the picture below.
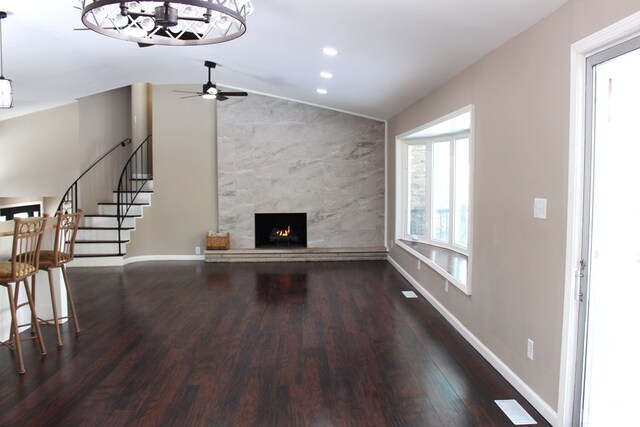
(134, 191)
(106, 228)
(115, 203)
(102, 241)
(111, 216)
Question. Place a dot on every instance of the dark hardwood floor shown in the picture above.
(280, 344)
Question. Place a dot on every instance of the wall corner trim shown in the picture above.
(527, 392)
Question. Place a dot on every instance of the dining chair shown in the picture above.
(62, 253)
(27, 240)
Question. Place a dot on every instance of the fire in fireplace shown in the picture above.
(281, 230)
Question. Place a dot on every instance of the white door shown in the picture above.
(609, 364)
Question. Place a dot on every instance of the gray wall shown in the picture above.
(40, 155)
(44, 152)
(184, 201)
(521, 93)
(282, 156)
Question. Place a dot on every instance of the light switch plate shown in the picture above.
(540, 208)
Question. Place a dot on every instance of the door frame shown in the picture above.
(611, 36)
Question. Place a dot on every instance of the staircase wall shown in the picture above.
(185, 183)
(105, 119)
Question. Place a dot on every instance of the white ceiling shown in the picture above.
(391, 53)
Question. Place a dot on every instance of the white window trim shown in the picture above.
(402, 177)
(430, 240)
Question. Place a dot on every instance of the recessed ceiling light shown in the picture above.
(321, 91)
(329, 51)
(326, 75)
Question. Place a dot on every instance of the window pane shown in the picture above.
(461, 204)
(441, 189)
(417, 189)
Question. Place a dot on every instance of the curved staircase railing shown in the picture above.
(69, 202)
(134, 176)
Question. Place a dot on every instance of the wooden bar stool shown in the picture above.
(62, 253)
(27, 239)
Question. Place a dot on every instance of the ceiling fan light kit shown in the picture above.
(210, 90)
(170, 23)
(6, 89)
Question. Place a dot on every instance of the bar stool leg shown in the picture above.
(70, 298)
(34, 317)
(14, 329)
(14, 319)
(55, 308)
(36, 324)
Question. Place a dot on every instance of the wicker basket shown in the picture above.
(217, 242)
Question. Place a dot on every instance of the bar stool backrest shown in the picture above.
(65, 240)
(27, 240)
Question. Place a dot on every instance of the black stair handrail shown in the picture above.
(71, 195)
(134, 176)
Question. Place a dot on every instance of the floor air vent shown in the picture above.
(409, 294)
(515, 412)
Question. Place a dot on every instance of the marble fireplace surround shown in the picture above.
(276, 155)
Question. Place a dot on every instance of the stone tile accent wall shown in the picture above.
(281, 156)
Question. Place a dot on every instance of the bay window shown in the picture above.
(434, 186)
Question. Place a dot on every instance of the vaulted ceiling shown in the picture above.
(391, 53)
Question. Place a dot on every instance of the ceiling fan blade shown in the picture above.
(233, 93)
(188, 91)
(190, 96)
(144, 44)
(221, 97)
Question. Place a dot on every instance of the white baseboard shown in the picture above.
(115, 261)
(527, 392)
(145, 258)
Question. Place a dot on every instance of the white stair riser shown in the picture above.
(103, 221)
(140, 198)
(96, 234)
(99, 248)
(112, 209)
(147, 185)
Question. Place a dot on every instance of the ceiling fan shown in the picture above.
(209, 90)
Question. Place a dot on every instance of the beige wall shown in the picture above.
(521, 95)
(104, 120)
(185, 182)
(39, 153)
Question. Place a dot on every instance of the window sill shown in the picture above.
(449, 264)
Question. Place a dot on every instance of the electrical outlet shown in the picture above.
(197, 250)
(530, 349)
(446, 286)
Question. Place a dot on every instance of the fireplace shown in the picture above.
(281, 230)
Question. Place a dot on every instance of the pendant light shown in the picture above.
(6, 91)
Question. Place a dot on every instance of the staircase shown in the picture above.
(98, 242)
(103, 237)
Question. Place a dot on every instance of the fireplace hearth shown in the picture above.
(281, 230)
